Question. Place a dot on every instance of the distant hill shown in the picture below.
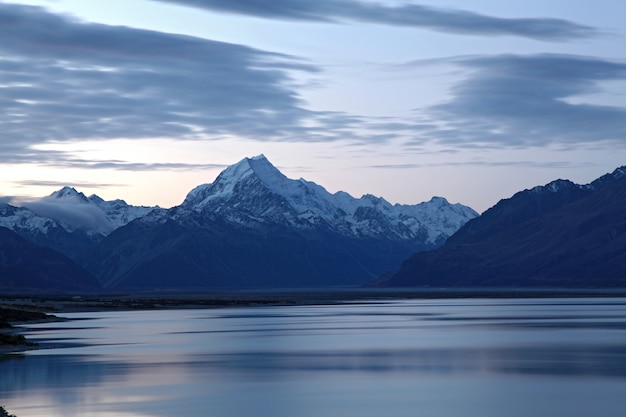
(558, 235)
(25, 266)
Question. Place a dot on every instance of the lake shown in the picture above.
(432, 358)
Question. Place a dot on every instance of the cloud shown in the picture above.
(522, 100)
(72, 214)
(407, 15)
(74, 211)
(506, 164)
(47, 183)
(64, 79)
(120, 165)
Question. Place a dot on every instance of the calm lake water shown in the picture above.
(432, 358)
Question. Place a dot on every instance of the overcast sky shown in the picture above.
(472, 101)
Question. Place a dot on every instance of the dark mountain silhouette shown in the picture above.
(25, 266)
(179, 255)
(558, 235)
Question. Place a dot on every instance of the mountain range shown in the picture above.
(68, 221)
(558, 235)
(252, 227)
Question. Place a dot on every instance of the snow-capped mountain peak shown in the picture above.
(267, 172)
(254, 192)
(257, 165)
(224, 185)
(69, 193)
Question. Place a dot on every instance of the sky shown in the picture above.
(473, 101)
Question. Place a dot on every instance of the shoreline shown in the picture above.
(40, 308)
(11, 317)
(46, 305)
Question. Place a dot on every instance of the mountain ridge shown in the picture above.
(559, 234)
(251, 227)
(308, 204)
(68, 221)
(30, 267)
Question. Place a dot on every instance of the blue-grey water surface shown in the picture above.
(432, 358)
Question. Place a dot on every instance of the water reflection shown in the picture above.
(448, 358)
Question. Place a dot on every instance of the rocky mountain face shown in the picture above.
(251, 228)
(558, 235)
(254, 227)
(25, 266)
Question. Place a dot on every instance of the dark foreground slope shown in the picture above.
(181, 255)
(25, 266)
(559, 235)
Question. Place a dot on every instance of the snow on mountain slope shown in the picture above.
(21, 219)
(118, 211)
(254, 192)
(251, 193)
(71, 210)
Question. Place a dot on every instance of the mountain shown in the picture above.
(25, 266)
(93, 215)
(253, 193)
(45, 231)
(254, 227)
(558, 235)
(68, 221)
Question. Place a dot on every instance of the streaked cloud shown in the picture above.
(137, 166)
(60, 184)
(64, 79)
(521, 164)
(526, 101)
(74, 214)
(406, 15)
